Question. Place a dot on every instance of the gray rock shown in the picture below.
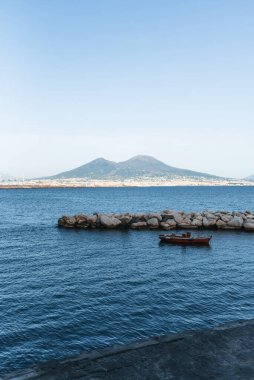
(178, 217)
(209, 215)
(125, 220)
(236, 222)
(197, 222)
(138, 225)
(152, 216)
(80, 218)
(62, 221)
(153, 223)
(249, 216)
(138, 218)
(186, 223)
(109, 221)
(220, 224)
(226, 217)
(81, 221)
(70, 221)
(165, 226)
(248, 225)
(92, 219)
(167, 211)
(240, 214)
(209, 223)
(171, 222)
(168, 216)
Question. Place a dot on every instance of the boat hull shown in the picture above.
(185, 241)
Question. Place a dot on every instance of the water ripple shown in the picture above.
(66, 291)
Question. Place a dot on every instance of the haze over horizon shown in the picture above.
(81, 80)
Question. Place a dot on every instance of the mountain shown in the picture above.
(95, 169)
(138, 166)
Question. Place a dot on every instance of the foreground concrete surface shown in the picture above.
(224, 352)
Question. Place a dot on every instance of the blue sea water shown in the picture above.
(64, 291)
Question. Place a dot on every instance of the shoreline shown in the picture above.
(137, 183)
(223, 352)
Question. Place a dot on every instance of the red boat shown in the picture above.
(185, 239)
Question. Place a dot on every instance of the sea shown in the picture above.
(66, 291)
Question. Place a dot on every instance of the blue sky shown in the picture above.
(82, 79)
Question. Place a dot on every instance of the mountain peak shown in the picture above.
(143, 157)
(140, 166)
(143, 163)
(99, 160)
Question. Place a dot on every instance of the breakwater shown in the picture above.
(165, 220)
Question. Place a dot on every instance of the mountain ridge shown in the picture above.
(140, 166)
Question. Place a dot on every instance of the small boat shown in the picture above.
(185, 239)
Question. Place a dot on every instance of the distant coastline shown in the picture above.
(138, 171)
(135, 182)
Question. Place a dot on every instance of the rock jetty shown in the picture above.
(164, 220)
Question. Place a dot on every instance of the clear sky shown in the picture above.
(81, 79)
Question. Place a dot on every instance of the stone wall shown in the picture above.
(164, 220)
(224, 352)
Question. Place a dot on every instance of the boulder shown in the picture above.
(184, 223)
(70, 222)
(92, 221)
(197, 222)
(226, 217)
(109, 221)
(209, 223)
(240, 214)
(152, 216)
(171, 222)
(153, 223)
(248, 225)
(209, 215)
(220, 224)
(178, 217)
(62, 221)
(167, 212)
(165, 226)
(197, 216)
(249, 216)
(117, 216)
(165, 217)
(236, 222)
(138, 225)
(125, 219)
(81, 220)
(138, 218)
